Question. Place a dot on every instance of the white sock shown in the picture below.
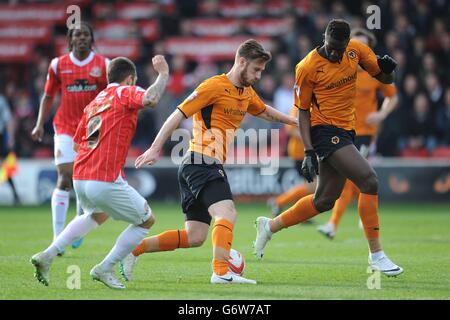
(60, 204)
(80, 211)
(126, 242)
(77, 228)
(376, 255)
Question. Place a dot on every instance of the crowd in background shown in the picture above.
(416, 33)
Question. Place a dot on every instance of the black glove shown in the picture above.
(310, 165)
(386, 64)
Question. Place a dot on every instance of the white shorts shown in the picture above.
(64, 152)
(117, 199)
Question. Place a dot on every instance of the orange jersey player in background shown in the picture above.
(325, 95)
(367, 120)
(218, 106)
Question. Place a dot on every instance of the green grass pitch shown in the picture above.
(299, 263)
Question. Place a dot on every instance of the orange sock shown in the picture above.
(292, 195)
(167, 241)
(301, 211)
(342, 203)
(368, 211)
(222, 237)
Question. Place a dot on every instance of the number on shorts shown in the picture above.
(93, 131)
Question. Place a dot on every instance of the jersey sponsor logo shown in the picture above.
(66, 71)
(96, 72)
(352, 54)
(234, 112)
(335, 140)
(343, 81)
(81, 85)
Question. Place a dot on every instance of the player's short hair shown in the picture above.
(71, 30)
(371, 39)
(119, 69)
(338, 29)
(253, 50)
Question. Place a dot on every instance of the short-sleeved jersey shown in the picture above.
(105, 132)
(328, 89)
(366, 101)
(295, 148)
(79, 82)
(218, 108)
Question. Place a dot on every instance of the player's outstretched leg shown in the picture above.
(303, 210)
(78, 227)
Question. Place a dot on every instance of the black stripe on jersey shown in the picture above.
(206, 115)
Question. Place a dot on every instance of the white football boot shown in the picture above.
(328, 230)
(230, 278)
(386, 266)
(127, 266)
(262, 236)
(42, 262)
(106, 277)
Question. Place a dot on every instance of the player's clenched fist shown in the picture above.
(160, 64)
(148, 157)
(37, 133)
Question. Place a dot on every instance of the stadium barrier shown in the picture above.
(400, 181)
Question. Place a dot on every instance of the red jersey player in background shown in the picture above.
(79, 76)
(102, 140)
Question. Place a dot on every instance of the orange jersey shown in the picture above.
(218, 108)
(295, 148)
(328, 89)
(366, 100)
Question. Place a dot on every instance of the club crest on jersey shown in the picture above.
(352, 54)
(335, 140)
(96, 72)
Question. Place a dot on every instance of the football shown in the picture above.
(236, 262)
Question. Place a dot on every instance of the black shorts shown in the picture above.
(201, 185)
(362, 143)
(327, 139)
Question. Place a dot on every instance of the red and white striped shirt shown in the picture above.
(80, 82)
(105, 132)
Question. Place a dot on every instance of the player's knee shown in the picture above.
(323, 204)
(369, 183)
(64, 181)
(196, 239)
(149, 223)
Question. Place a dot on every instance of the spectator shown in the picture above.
(443, 120)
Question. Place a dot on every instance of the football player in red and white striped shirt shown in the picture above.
(102, 140)
(79, 76)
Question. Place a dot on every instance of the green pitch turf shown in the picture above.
(299, 262)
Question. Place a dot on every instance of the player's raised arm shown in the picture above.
(272, 114)
(151, 155)
(381, 68)
(154, 93)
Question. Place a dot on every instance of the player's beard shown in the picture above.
(244, 78)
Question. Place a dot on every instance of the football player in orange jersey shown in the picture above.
(325, 95)
(367, 121)
(218, 106)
